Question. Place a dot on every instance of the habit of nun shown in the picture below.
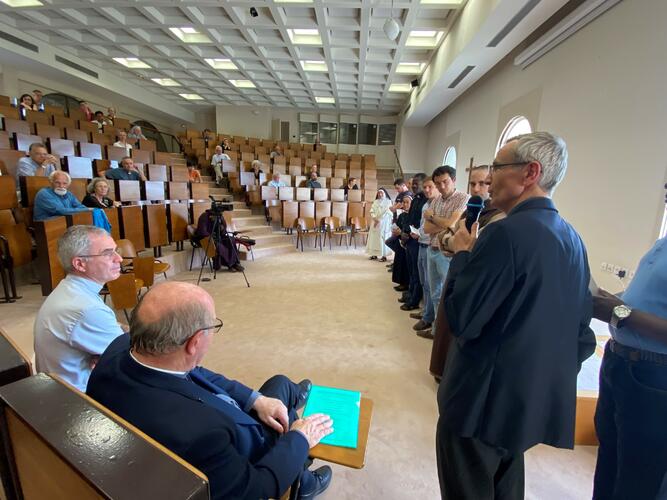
(226, 252)
(380, 226)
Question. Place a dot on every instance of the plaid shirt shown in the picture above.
(445, 207)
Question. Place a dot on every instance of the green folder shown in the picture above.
(343, 407)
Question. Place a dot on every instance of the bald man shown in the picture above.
(249, 444)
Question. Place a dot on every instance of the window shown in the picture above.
(328, 133)
(450, 157)
(516, 126)
(387, 135)
(307, 132)
(368, 134)
(348, 133)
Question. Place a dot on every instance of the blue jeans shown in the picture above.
(438, 267)
(428, 314)
(415, 288)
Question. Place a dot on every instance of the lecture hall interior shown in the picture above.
(319, 106)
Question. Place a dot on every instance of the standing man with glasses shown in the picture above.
(74, 326)
(250, 444)
(518, 305)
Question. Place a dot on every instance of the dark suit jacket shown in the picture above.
(222, 441)
(519, 307)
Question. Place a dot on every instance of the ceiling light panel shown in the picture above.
(131, 62)
(410, 68)
(191, 97)
(305, 36)
(424, 38)
(324, 100)
(22, 3)
(314, 66)
(166, 82)
(221, 63)
(400, 87)
(190, 35)
(242, 84)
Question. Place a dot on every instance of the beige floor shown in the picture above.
(333, 317)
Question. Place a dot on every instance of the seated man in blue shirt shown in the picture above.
(632, 404)
(312, 182)
(125, 172)
(249, 444)
(276, 182)
(74, 325)
(38, 163)
(57, 200)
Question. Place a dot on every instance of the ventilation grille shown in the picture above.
(19, 42)
(77, 67)
(461, 76)
(518, 17)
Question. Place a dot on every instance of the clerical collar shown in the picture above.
(170, 372)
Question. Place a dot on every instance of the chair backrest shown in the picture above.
(126, 249)
(305, 224)
(14, 363)
(144, 269)
(123, 291)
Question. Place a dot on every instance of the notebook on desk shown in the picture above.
(343, 407)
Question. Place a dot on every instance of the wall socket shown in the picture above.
(616, 270)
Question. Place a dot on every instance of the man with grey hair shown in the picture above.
(249, 444)
(518, 305)
(38, 163)
(74, 325)
(57, 200)
(126, 171)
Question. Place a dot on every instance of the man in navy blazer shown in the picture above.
(250, 444)
(518, 304)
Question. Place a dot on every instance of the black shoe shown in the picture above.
(401, 288)
(305, 385)
(426, 334)
(422, 325)
(238, 267)
(322, 478)
(402, 300)
(416, 315)
(390, 265)
(408, 307)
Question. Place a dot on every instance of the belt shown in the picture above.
(632, 354)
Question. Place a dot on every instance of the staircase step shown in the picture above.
(266, 251)
(250, 220)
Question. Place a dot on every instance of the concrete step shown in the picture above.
(267, 251)
(241, 212)
(252, 231)
(250, 220)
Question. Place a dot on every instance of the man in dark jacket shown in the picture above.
(249, 444)
(414, 293)
(519, 306)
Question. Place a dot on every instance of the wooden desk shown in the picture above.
(48, 266)
(79, 167)
(199, 191)
(132, 225)
(155, 224)
(178, 221)
(112, 215)
(80, 219)
(152, 190)
(156, 172)
(8, 198)
(127, 190)
(90, 150)
(178, 191)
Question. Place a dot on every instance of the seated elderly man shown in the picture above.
(57, 200)
(249, 444)
(74, 326)
(38, 163)
(312, 182)
(216, 163)
(127, 171)
(275, 181)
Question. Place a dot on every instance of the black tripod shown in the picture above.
(216, 236)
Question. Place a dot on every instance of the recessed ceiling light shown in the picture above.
(424, 38)
(303, 36)
(221, 63)
(191, 97)
(190, 35)
(410, 68)
(325, 100)
(166, 82)
(400, 87)
(242, 84)
(22, 3)
(314, 66)
(131, 62)
(452, 4)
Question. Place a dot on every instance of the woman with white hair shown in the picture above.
(380, 227)
(98, 189)
(136, 133)
(257, 170)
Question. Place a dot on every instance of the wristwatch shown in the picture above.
(619, 315)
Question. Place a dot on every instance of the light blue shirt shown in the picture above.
(648, 293)
(49, 204)
(27, 167)
(275, 184)
(72, 327)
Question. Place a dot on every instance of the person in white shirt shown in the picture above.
(216, 163)
(122, 142)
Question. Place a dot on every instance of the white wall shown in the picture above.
(603, 90)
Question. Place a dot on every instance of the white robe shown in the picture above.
(378, 234)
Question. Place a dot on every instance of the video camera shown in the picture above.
(219, 206)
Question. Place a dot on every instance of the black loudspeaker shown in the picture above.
(253, 12)
(415, 83)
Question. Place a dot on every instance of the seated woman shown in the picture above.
(226, 253)
(136, 133)
(193, 173)
(98, 189)
(351, 184)
(257, 169)
(27, 102)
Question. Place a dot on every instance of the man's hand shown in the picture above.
(603, 305)
(272, 412)
(314, 427)
(464, 240)
(428, 213)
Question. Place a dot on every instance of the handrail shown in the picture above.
(398, 172)
(169, 141)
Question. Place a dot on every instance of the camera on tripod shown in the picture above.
(219, 206)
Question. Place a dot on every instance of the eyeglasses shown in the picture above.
(106, 253)
(497, 166)
(216, 328)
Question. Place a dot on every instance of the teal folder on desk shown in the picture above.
(343, 407)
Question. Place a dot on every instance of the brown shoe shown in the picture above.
(422, 325)
(426, 334)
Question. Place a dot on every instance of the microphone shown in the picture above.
(475, 207)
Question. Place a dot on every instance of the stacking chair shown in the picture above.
(306, 227)
(359, 226)
(333, 227)
(128, 253)
(124, 292)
